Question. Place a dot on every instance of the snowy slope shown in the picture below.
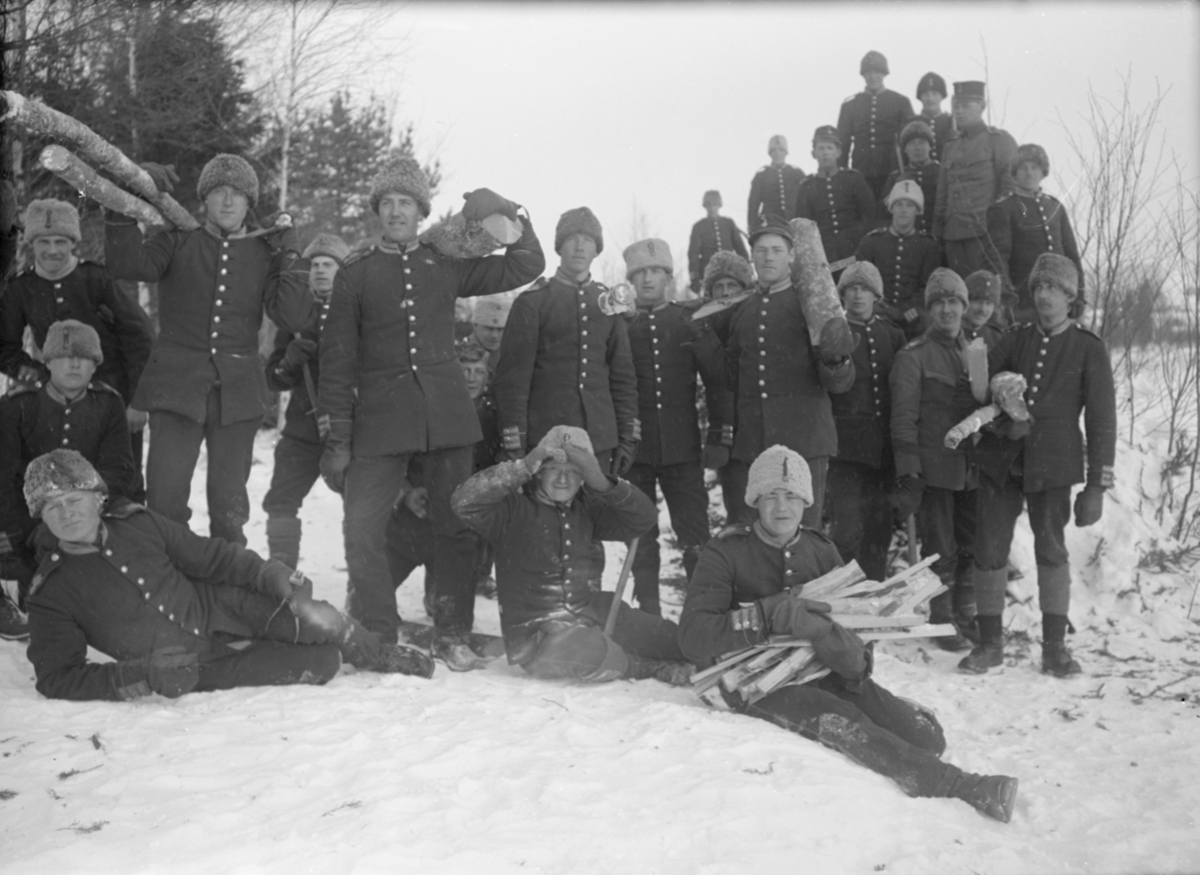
(493, 771)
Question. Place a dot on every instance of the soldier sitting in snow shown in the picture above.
(749, 586)
(543, 514)
(178, 612)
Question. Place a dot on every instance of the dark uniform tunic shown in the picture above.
(843, 207)
(925, 176)
(869, 125)
(710, 236)
(905, 265)
(563, 361)
(942, 126)
(773, 193)
(1024, 227)
(88, 295)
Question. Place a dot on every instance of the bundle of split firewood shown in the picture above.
(875, 611)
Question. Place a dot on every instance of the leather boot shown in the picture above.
(962, 598)
(455, 650)
(1056, 658)
(669, 671)
(283, 539)
(941, 611)
(989, 653)
(993, 795)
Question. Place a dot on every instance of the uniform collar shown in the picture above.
(221, 234)
(766, 539)
(62, 276)
(77, 549)
(563, 277)
(1059, 329)
(779, 286)
(386, 245)
(62, 399)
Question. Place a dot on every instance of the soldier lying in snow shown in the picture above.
(178, 612)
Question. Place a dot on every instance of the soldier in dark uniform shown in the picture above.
(661, 338)
(906, 258)
(781, 381)
(204, 381)
(489, 316)
(983, 295)
(1027, 223)
(294, 365)
(1068, 373)
(931, 395)
(773, 189)
(861, 475)
(394, 393)
(869, 125)
(58, 285)
(931, 91)
(749, 585)
(838, 200)
(976, 172)
(712, 234)
(71, 410)
(916, 142)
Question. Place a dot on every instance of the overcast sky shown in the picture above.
(641, 108)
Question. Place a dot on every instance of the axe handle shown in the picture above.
(622, 581)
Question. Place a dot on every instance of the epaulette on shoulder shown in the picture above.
(122, 508)
(875, 231)
(19, 388)
(101, 386)
(820, 536)
(599, 285)
(27, 270)
(539, 283)
(1017, 326)
(359, 254)
(916, 341)
(731, 531)
(852, 97)
(1006, 196)
(764, 168)
(1088, 332)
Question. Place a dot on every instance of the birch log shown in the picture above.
(458, 238)
(38, 118)
(810, 275)
(69, 168)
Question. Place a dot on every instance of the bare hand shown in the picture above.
(417, 500)
(137, 419)
(29, 374)
(538, 455)
(587, 463)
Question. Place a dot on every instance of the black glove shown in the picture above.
(714, 456)
(172, 671)
(334, 462)
(1089, 506)
(164, 175)
(799, 617)
(837, 341)
(906, 495)
(483, 202)
(624, 456)
(299, 351)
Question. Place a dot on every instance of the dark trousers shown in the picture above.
(739, 476)
(581, 650)
(683, 488)
(297, 467)
(372, 487)
(724, 477)
(873, 727)
(946, 526)
(860, 515)
(137, 445)
(410, 545)
(175, 447)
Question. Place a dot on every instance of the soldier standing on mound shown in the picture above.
(773, 189)
(712, 234)
(869, 125)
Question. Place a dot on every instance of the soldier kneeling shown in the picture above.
(748, 586)
(178, 612)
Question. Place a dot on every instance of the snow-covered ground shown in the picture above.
(494, 772)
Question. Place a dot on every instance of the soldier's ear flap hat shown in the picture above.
(580, 220)
(469, 351)
(561, 435)
(329, 245)
(873, 60)
(779, 141)
(648, 253)
(827, 134)
(931, 82)
(70, 338)
(492, 311)
(861, 273)
(773, 225)
(1057, 270)
(778, 468)
(907, 190)
(231, 170)
(916, 130)
(1032, 153)
(51, 218)
(727, 264)
(945, 283)
(983, 285)
(712, 198)
(970, 91)
(403, 175)
(56, 473)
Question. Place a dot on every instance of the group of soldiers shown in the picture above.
(545, 424)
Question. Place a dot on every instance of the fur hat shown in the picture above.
(51, 218)
(492, 311)
(329, 245)
(873, 60)
(779, 141)
(561, 435)
(469, 350)
(861, 273)
(56, 473)
(972, 90)
(983, 285)
(1057, 270)
(652, 252)
(402, 175)
(945, 283)
(580, 220)
(1032, 152)
(779, 468)
(712, 196)
(229, 170)
(916, 130)
(730, 264)
(827, 134)
(931, 82)
(70, 338)
(773, 225)
(907, 190)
